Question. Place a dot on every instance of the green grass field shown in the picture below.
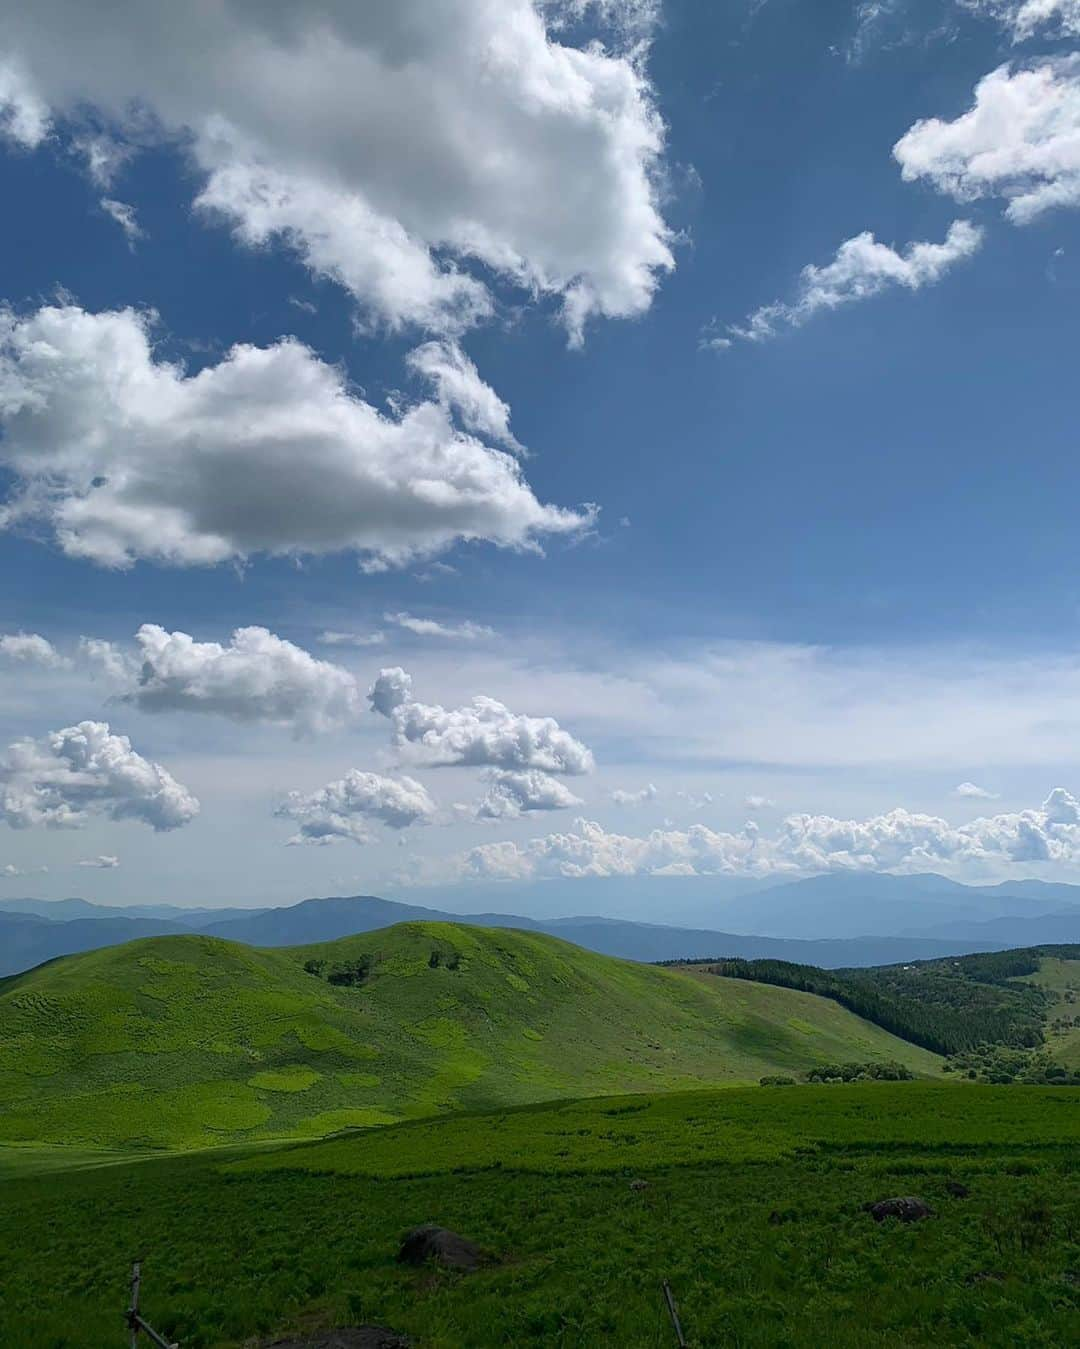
(182, 1042)
(752, 1209)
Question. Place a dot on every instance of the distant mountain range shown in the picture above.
(829, 921)
(867, 905)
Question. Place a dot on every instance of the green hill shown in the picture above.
(190, 1040)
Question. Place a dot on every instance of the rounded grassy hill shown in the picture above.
(190, 1040)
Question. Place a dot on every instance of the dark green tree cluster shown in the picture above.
(1002, 1064)
(351, 974)
(860, 1072)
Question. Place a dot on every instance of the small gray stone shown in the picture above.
(441, 1245)
(908, 1208)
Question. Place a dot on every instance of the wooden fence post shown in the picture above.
(673, 1312)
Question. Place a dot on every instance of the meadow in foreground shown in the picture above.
(759, 1225)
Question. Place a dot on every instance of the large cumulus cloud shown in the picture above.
(258, 677)
(68, 776)
(392, 146)
(126, 456)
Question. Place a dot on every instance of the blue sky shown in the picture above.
(830, 581)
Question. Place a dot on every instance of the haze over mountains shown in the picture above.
(830, 921)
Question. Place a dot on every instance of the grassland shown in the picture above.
(190, 1041)
(1060, 980)
(752, 1208)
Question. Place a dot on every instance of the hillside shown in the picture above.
(190, 1040)
(749, 1201)
(1003, 1015)
(1058, 979)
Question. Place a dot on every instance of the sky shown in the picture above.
(494, 442)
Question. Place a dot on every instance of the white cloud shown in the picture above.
(340, 809)
(392, 146)
(695, 800)
(862, 268)
(266, 452)
(1020, 140)
(331, 638)
(125, 217)
(112, 660)
(591, 851)
(29, 648)
(458, 386)
(102, 863)
(974, 792)
(430, 627)
(24, 118)
(898, 840)
(258, 677)
(68, 776)
(643, 797)
(103, 156)
(485, 733)
(901, 840)
(758, 803)
(513, 794)
(340, 237)
(10, 872)
(1024, 18)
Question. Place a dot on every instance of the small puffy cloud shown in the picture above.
(483, 734)
(68, 776)
(332, 638)
(396, 149)
(1020, 140)
(430, 627)
(695, 800)
(1025, 18)
(758, 803)
(391, 690)
(513, 794)
(862, 268)
(10, 872)
(28, 648)
(341, 809)
(125, 217)
(269, 451)
(102, 863)
(643, 797)
(258, 677)
(970, 789)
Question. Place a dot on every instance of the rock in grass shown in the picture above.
(348, 1337)
(638, 1185)
(909, 1208)
(957, 1189)
(441, 1245)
